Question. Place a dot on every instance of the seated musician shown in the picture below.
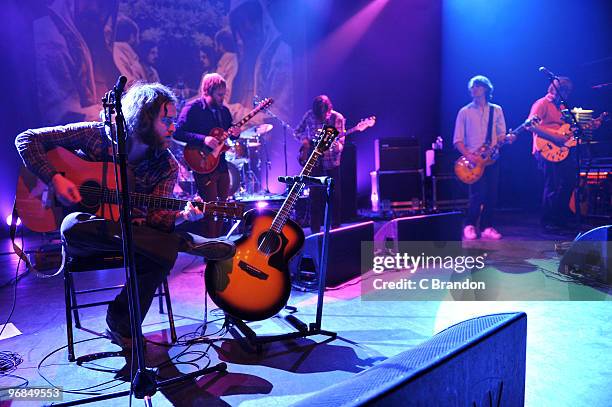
(150, 113)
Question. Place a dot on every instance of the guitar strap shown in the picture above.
(489, 136)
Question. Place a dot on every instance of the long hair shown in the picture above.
(321, 105)
(141, 106)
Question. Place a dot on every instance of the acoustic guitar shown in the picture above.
(555, 153)
(255, 284)
(41, 212)
(205, 160)
(469, 172)
(306, 148)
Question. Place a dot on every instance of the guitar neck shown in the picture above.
(248, 116)
(283, 214)
(351, 131)
(140, 200)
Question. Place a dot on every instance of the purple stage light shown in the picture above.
(341, 42)
(261, 204)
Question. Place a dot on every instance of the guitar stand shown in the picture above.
(302, 329)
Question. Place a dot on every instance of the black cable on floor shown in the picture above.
(9, 361)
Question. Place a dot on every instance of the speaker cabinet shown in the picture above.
(436, 227)
(589, 256)
(478, 362)
(448, 192)
(397, 189)
(344, 261)
(348, 182)
(395, 154)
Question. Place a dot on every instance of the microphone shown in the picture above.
(120, 85)
(546, 71)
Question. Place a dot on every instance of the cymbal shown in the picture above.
(256, 131)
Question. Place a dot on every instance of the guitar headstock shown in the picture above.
(231, 210)
(326, 137)
(365, 123)
(264, 104)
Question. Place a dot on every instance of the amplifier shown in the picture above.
(397, 189)
(394, 154)
(449, 193)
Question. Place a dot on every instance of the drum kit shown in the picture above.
(243, 161)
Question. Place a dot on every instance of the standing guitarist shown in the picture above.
(478, 123)
(150, 110)
(195, 122)
(322, 113)
(559, 177)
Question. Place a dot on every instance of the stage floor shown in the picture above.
(569, 351)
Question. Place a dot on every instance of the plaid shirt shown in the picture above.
(156, 174)
(308, 127)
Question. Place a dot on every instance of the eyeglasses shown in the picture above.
(168, 121)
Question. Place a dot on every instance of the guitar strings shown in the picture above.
(111, 193)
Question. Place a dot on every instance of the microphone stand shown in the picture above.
(285, 126)
(144, 384)
(569, 117)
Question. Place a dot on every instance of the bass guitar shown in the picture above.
(469, 172)
(205, 160)
(41, 212)
(306, 147)
(553, 152)
(255, 284)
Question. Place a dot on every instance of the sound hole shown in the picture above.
(92, 196)
(268, 242)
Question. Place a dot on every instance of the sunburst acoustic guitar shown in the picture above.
(255, 284)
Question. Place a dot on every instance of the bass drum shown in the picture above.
(234, 175)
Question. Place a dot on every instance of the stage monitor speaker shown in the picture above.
(478, 362)
(437, 227)
(589, 256)
(344, 261)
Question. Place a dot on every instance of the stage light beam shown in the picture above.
(334, 49)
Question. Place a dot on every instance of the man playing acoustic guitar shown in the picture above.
(149, 111)
(478, 123)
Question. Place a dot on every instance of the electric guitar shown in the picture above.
(255, 284)
(556, 153)
(41, 212)
(469, 172)
(306, 148)
(205, 160)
